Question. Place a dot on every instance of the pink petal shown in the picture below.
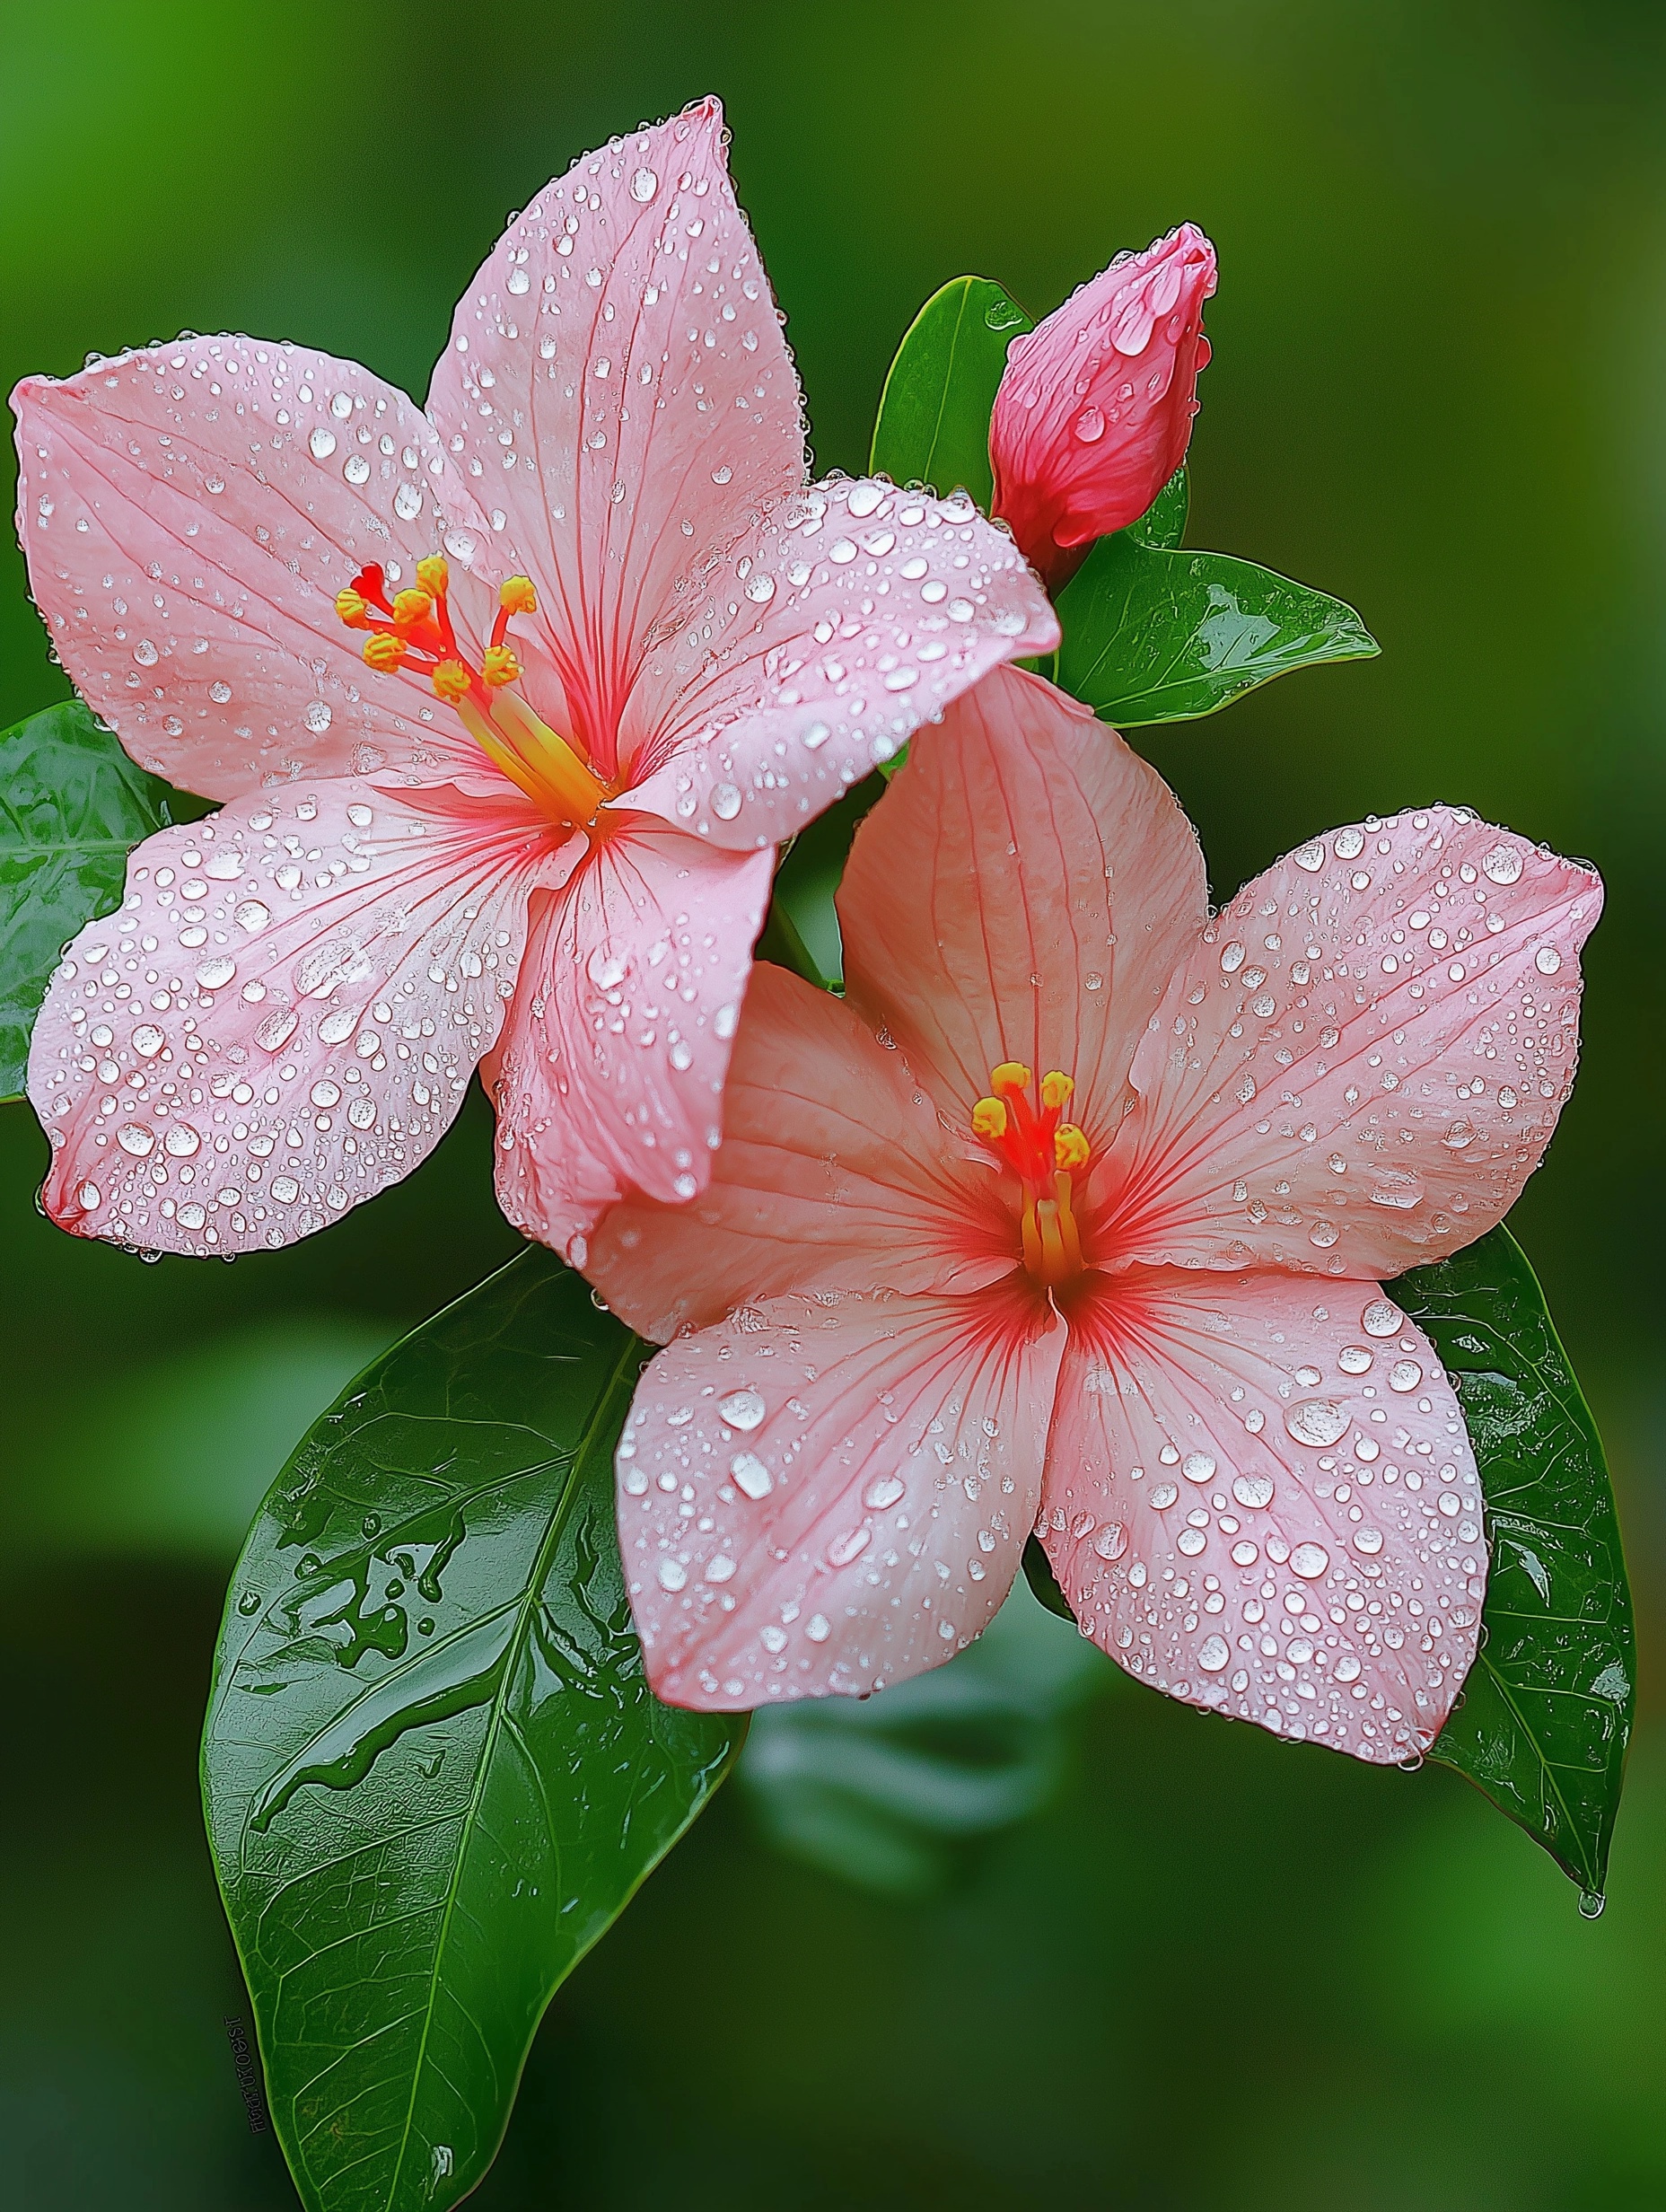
(230, 1072)
(610, 1073)
(1095, 409)
(1062, 887)
(834, 1172)
(827, 1495)
(618, 371)
(1268, 1506)
(842, 623)
(190, 513)
(1364, 1057)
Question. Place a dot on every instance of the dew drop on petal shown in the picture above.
(1316, 1422)
(742, 1409)
(1502, 865)
(1381, 1318)
(1310, 1561)
(322, 443)
(1253, 1490)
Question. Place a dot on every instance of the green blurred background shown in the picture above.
(1216, 1973)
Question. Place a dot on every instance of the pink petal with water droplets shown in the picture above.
(841, 625)
(1356, 1071)
(618, 371)
(834, 1172)
(610, 1072)
(229, 1072)
(1247, 1516)
(1095, 409)
(189, 516)
(1064, 885)
(862, 1473)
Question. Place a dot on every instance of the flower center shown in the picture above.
(413, 629)
(1045, 1153)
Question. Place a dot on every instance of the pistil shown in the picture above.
(414, 629)
(1045, 1152)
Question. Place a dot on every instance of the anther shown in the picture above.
(989, 1119)
(353, 610)
(410, 607)
(1070, 1147)
(450, 682)
(384, 651)
(1057, 1090)
(499, 666)
(516, 595)
(1010, 1076)
(432, 574)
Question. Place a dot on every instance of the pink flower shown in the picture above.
(1095, 409)
(616, 652)
(933, 1304)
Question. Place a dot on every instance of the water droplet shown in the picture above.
(742, 1409)
(1254, 1491)
(850, 1546)
(1111, 1542)
(181, 1141)
(1381, 1318)
(145, 654)
(751, 1477)
(323, 442)
(1355, 1359)
(1089, 425)
(215, 974)
(219, 693)
(1212, 1653)
(1197, 1467)
(1546, 960)
(1369, 1541)
(725, 802)
(1163, 1496)
(1591, 1904)
(1316, 1422)
(1405, 1375)
(357, 469)
(1350, 844)
(1347, 1668)
(1310, 1561)
(644, 185)
(1502, 865)
(318, 717)
(673, 1574)
(134, 1137)
(518, 282)
(1395, 1186)
(1310, 856)
(884, 1491)
(251, 915)
(148, 1040)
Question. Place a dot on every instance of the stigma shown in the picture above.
(414, 629)
(1046, 1153)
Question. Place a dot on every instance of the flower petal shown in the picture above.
(1064, 885)
(617, 373)
(850, 617)
(1364, 1059)
(610, 1073)
(1268, 1507)
(827, 1495)
(190, 513)
(834, 1172)
(283, 1016)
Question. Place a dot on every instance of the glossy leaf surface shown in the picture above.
(434, 1771)
(1156, 635)
(1163, 522)
(934, 419)
(72, 807)
(1548, 1705)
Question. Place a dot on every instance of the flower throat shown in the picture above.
(1046, 1153)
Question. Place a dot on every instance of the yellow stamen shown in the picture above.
(451, 682)
(989, 1118)
(1054, 1260)
(1070, 1145)
(1056, 1090)
(384, 653)
(500, 666)
(531, 754)
(516, 595)
(352, 610)
(410, 607)
(432, 574)
(1011, 1075)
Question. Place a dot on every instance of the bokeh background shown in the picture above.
(1214, 1972)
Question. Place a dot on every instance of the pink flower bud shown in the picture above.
(1095, 409)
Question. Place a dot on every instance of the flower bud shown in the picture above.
(1095, 408)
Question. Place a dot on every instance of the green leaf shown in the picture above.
(434, 1771)
(934, 419)
(1163, 522)
(72, 807)
(1547, 1706)
(1155, 634)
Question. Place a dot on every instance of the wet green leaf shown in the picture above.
(1155, 634)
(934, 419)
(1547, 1706)
(72, 807)
(1163, 522)
(434, 1771)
